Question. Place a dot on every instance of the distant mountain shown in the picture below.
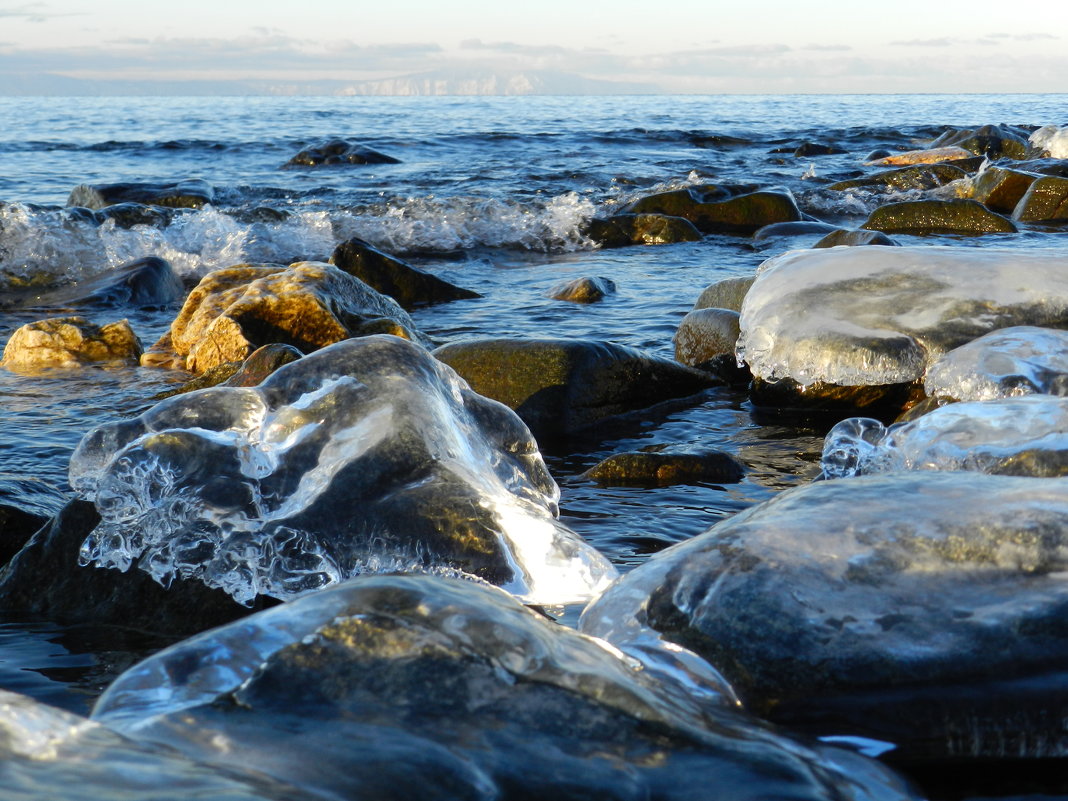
(440, 82)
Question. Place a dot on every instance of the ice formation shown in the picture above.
(871, 316)
(1015, 436)
(1011, 361)
(1053, 139)
(367, 455)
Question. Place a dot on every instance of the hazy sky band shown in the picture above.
(682, 46)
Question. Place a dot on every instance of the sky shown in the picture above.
(683, 46)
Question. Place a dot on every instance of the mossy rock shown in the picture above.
(1046, 200)
(920, 176)
(621, 230)
(919, 217)
(667, 467)
(989, 141)
(721, 210)
(1001, 189)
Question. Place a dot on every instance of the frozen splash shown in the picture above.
(1016, 436)
(1053, 139)
(364, 456)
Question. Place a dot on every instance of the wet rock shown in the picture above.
(878, 316)
(16, 527)
(919, 217)
(1046, 200)
(989, 141)
(261, 363)
(128, 215)
(409, 286)
(338, 151)
(308, 305)
(366, 456)
(70, 342)
(705, 334)
(1014, 436)
(1009, 362)
(724, 210)
(145, 283)
(727, 293)
(621, 230)
(788, 235)
(44, 578)
(584, 290)
(402, 687)
(854, 238)
(191, 194)
(806, 149)
(942, 630)
(927, 176)
(788, 398)
(664, 468)
(559, 387)
(925, 156)
(1000, 189)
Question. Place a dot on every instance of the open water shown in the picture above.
(491, 194)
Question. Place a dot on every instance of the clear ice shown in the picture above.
(872, 316)
(366, 456)
(1053, 139)
(1016, 436)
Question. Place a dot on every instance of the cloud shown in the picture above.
(943, 42)
(1022, 37)
(32, 12)
(827, 48)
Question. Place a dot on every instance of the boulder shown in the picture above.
(338, 151)
(191, 194)
(409, 286)
(560, 387)
(922, 609)
(1046, 200)
(1009, 362)
(366, 456)
(70, 342)
(147, 283)
(932, 155)
(16, 527)
(308, 305)
(790, 235)
(806, 149)
(252, 371)
(127, 215)
(721, 210)
(989, 141)
(400, 687)
(727, 293)
(923, 177)
(919, 217)
(1000, 189)
(664, 467)
(854, 238)
(621, 230)
(879, 316)
(705, 334)
(584, 290)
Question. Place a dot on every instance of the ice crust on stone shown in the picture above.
(368, 455)
(1015, 436)
(873, 316)
(1006, 363)
(1053, 139)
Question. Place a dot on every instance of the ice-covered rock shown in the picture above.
(924, 609)
(1020, 360)
(398, 687)
(367, 455)
(876, 316)
(1017, 436)
(1052, 139)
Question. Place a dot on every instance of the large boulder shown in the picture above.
(191, 194)
(339, 151)
(1000, 189)
(308, 305)
(1046, 200)
(1019, 360)
(924, 176)
(721, 209)
(560, 387)
(70, 342)
(920, 217)
(880, 316)
(407, 285)
(368, 455)
(922, 609)
(400, 687)
(1013, 436)
(989, 141)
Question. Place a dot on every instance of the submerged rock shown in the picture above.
(308, 305)
(584, 290)
(365, 456)
(621, 230)
(666, 467)
(880, 316)
(409, 286)
(338, 151)
(919, 217)
(717, 209)
(191, 194)
(926, 610)
(70, 342)
(1010, 361)
(399, 687)
(1016, 437)
(560, 386)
